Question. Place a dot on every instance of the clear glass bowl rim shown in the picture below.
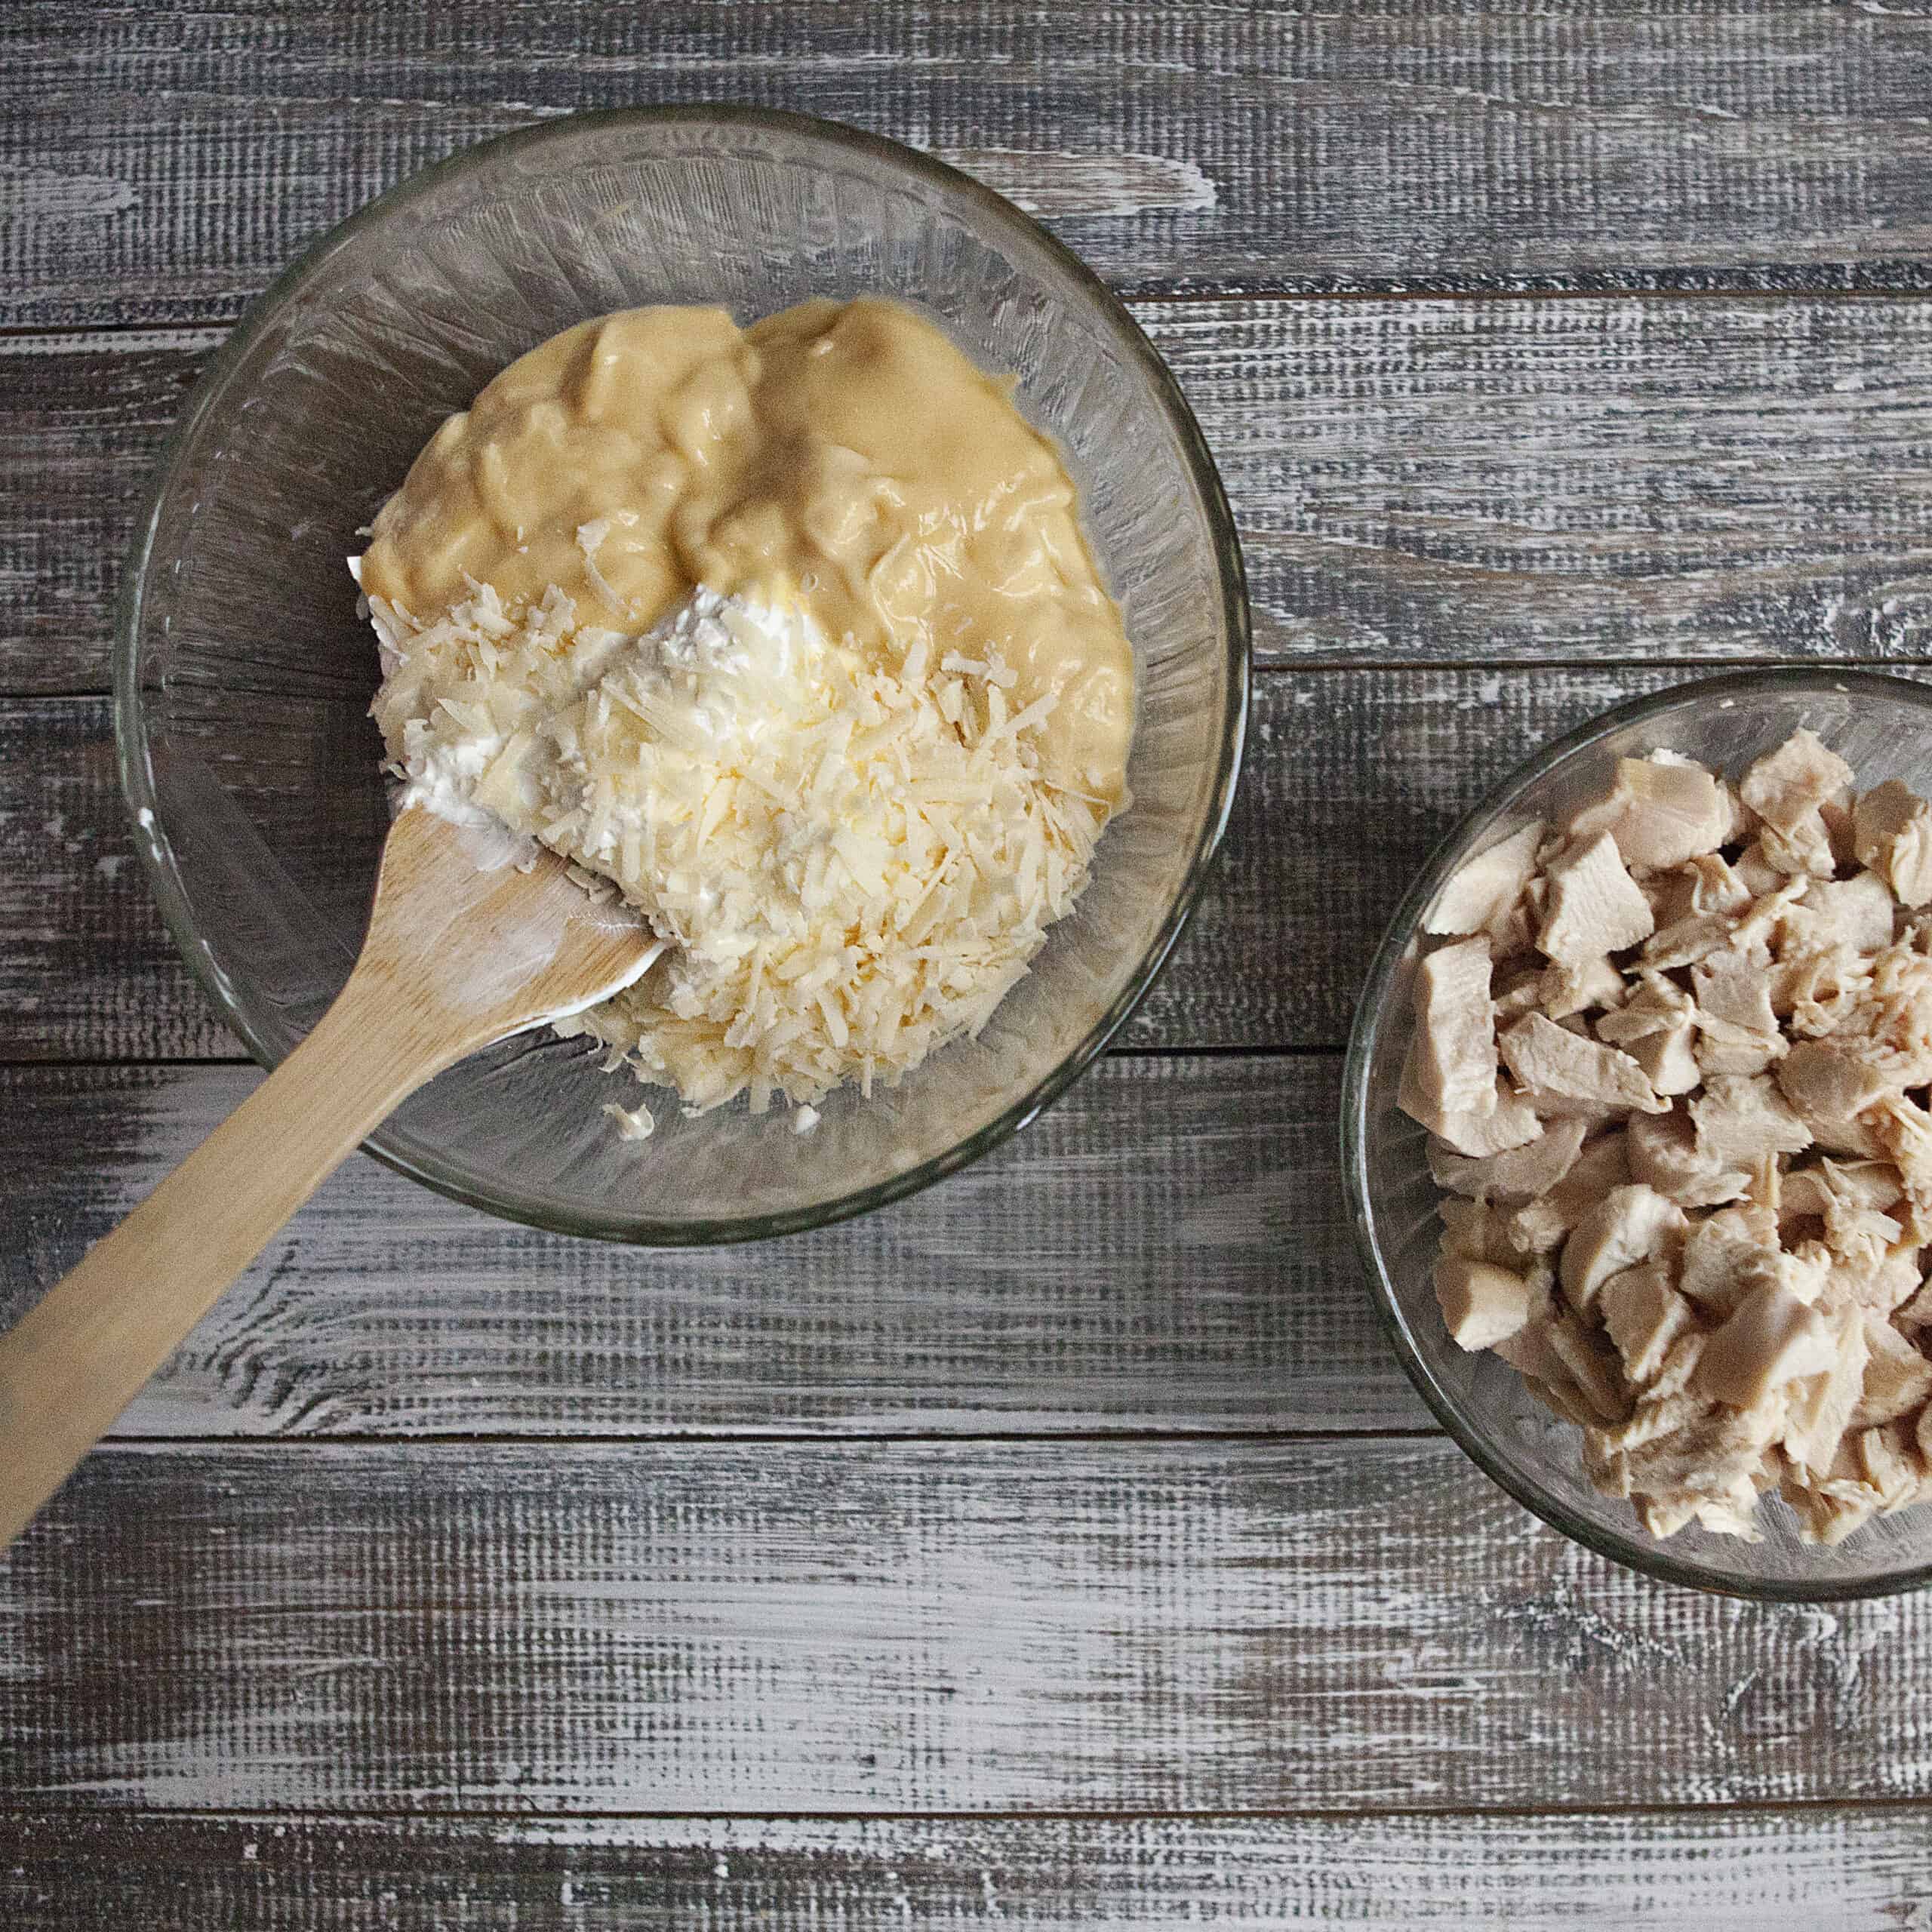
(130, 722)
(1468, 1432)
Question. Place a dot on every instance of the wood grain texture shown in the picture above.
(1854, 1868)
(163, 165)
(1352, 777)
(1224, 1295)
(858, 1628)
(1414, 481)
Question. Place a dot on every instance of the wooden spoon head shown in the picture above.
(482, 953)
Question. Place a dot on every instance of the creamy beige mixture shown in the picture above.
(846, 458)
(791, 632)
(1674, 1060)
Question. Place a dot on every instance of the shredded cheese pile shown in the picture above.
(854, 865)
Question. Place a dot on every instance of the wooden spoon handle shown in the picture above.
(74, 1362)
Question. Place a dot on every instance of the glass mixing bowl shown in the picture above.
(1883, 727)
(242, 675)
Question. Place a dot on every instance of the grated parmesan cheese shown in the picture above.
(853, 866)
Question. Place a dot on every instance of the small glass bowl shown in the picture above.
(1882, 726)
(242, 675)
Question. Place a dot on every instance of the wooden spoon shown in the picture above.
(456, 958)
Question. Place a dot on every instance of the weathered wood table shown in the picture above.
(1063, 1545)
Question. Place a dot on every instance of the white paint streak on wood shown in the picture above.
(1177, 1626)
(1066, 187)
(55, 195)
(1855, 1869)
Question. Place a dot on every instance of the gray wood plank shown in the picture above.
(1415, 481)
(1670, 1871)
(1165, 1249)
(1352, 777)
(162, 165)
(1330, 1625)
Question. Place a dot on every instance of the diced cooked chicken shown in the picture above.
(1565, 990)
(1898, 1379)
(1804, 852)
(1482, 893)
(1739, 1118)
(1455, 1038)
(1769, 1338)
(1724, 1288)
(1718, 1447)
(1509, 1122)
(1517, 1173)
(1711, 884)
(1785, 785)
(1630, 1224)
(1853, 914)
(1545, 1058)
(1821, 1405)
(1829, 1082)
(1892, 833)
(1592, 1366)
(1725, 1263)
(1594, 907)
(1737, 1031)
(1481, 1303)
(1662, 811)
(1915, 1311)
(1643, 1316)
(1662, 1154)
(1517, 989)
(1655, 1027)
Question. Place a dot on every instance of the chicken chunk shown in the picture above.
(1594, 907)
(1482, 892)
(1898, 1379)
(1821, 1404)
(1455, 1039)
(1482, 1304)
(1545, 1058)
(1786, 785)
(1892, 833)
(1664, 812)
(1643, 1316)
(1663, 1154)
(1740, 1117)
(1769, 1338)
(1517, 1173)
(1630, 1224)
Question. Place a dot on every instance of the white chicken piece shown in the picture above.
(1741, 1118)
(1769, 1338)
(1804, 852)
(1630, 1224)
(1482, 1304)
(1738, 1033)
(1725, 1263)
(1564, 1067)
(1655, 1026)
(1663, 1154)
(1785, 785)
(1821, 1405)
(1594, 907)
(1892, 833)
(1898, 1379)
(1853, 914)
(1481, 892)
(1455, 1038)
(1643, 1316)
(1665, 811)
(1517, 1173)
